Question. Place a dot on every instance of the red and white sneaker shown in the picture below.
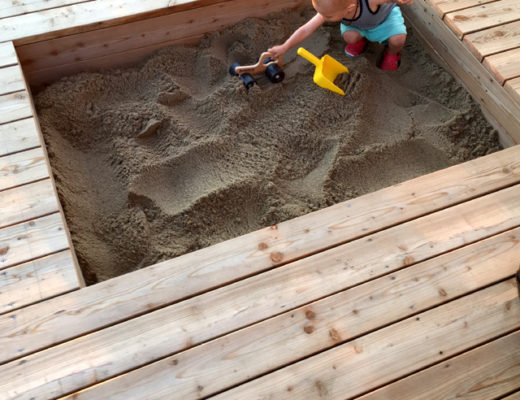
(355, 49)
(389, 62)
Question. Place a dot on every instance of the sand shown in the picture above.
(174, 154)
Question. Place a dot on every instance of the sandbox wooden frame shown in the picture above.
(446, 241)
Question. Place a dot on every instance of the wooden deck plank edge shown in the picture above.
(17, 10)
(458, 375)
(148, 289)
(339, 318)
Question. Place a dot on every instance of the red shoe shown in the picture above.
(390, 62)
(355, 49)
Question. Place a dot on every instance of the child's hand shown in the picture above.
(277, 51)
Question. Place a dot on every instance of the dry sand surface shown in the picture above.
(173, 154)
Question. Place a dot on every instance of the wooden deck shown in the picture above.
(404, 293)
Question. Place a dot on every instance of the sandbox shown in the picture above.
(173, 154)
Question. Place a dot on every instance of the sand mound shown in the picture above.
(173, 155)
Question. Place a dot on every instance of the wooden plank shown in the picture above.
(49, 24)
(11, 79)
(37, 280)
(451, 52)
(17, 7)
(144, 290)
(18, 136)
(390, 353)
(446, 6)
(7, 54)
(14, 106)
(30, 240)
(21, 168)
(487, 372)
(504, 65)
(494, 40)
(235, 358)
(110, 41)
(171, 329)
(513, 87)
(514, 396)
(482, 17)
(27, 202)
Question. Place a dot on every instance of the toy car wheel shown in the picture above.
(232, 69)
(275, 73)
(247, 80)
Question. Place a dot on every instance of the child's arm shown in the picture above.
(299, 35)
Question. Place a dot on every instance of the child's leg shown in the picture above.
(396, 43)
(352, 36)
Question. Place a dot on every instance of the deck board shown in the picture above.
(23, 167)
(139, 341)
(15, 106)
(494, 40)
(505, 65)
(27, 202)
(513, 87)
(7, 54)
(11, 79)
(288, 337)
(392, 352)
(486, 372)
(37, 280)
(17, 7)
(150, 288)
(446, 6)
(482, 17)
(30, 240)
(18, 136)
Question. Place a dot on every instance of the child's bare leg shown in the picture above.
(352, 36)
(396, 43)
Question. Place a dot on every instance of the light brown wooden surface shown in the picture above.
(21, 168)
(37, 280)
(175, 328)
(482, 17)
(150, 288)
(14, 106)
(18, 136)
(494, 40)
(235, 358)
(30, 240)
(27, 202)
(514, 396)
(513, 87)
(486, 372)
(446, 6)
(505, 65)
(392, 352)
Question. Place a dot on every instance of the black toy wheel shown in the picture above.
(232, 68)
(247, 80)
(275, 73)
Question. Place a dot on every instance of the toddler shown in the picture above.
(361, 21)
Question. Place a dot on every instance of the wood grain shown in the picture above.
(505, 65)
(271, 344)
(18, 136)
(494, 40)
(21, 168)
(390, 353)
(30, 240)
(147, 289)
(27, 202)
(15, 106)
(11, 79)
(37, 280)
(446, 6)
(7, 54)
(17, 7)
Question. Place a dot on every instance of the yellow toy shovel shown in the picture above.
(327, 69)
